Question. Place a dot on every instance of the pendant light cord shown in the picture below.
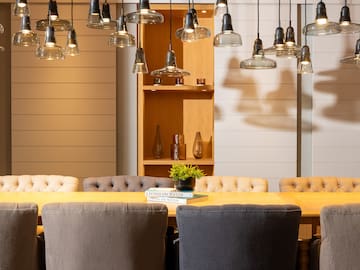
(122, 8)
(279, 14)
(170, 26)
(305, 24)
(290, 13)
(258, 11)
(72, 13)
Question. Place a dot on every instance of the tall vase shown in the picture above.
(198, 146)
(157, 149)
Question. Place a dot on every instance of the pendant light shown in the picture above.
(192, 31)
(121, 38)
(53, 17)
(279, 43)
(227, 37)
(345, 22)
(21, 8)
(354, 59)
(258, 60)
(72, 47)
(170, 69)
(107, 22)
(25, 37)
(94, 17)
(322, 26)
(305, 65)
(140, 65)
(144, 14)
(221, 7)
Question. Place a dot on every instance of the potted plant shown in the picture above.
(185, 175)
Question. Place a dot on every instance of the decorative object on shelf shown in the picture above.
(322, 26)
(25, 37)
(21, 8)
(305, 65)
(200, 81)
(347, 27)
(144, 14)
(53, 20)
(179, 81)
(198, 146)
(157, 81)
(185, 175)
(279, 43)
(258, 60)
(50, 51)
(178, 147)
(354, 59)
(170, 69)
(72, 47)
(157, 149)
(1, 31)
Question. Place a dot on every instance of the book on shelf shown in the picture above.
(178, 200)
(168, 192)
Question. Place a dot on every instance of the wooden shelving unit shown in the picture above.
(183, 109)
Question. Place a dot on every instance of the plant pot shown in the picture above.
(185, 185)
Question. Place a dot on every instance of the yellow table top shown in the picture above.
(309, 202)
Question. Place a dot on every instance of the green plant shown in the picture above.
(180, 171)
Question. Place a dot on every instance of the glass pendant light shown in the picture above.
(121, 38)
(72, 47)
(221, 7)
(50, 51)
(227, 37)
(21, 8)
(305, 65)
(279, 43)
(258, 60)
(192, 31)
(354, 59)
(144, 14)
(25, 37)
(94, 17)
(107, 23)
(170, 69)
(140, 65)
(345, 21)
(322, 26)
(53, 17)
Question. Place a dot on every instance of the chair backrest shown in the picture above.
(125, 183)
(242, 237)
(18, 242)
(340, 237)
(38, 183)
(320, 184)
(231, 184)
(112, 236)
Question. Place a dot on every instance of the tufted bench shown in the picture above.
(38, 183)
(320, 184)
(231, 184)
(125, 183)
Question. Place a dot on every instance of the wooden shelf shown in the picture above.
(170, 88)
(167, 161)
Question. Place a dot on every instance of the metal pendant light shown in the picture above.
(221, 7)
(72, 47)
(305, 64)
(53, 17)
(322, 26)
(121, 38)
(21, 8)
(50, 51)
(25, 37)
(170, 69)
(140, 65)
(279, 43)
(107, 22)
(144, 14)
(258, 60)
(345, 21)
(354, 59)
(94, 17)
(227, 37)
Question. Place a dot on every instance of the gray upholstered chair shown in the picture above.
(125, 183)
(112, 236)
(241, 237)
(320, 184)
(18, 242)
(231, 184)
(340, 237)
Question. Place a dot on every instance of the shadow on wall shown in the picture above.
(277, 110)
(342, 82)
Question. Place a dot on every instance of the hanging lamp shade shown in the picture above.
(140, 65)
(94, 17)
(258, 60)
(221, 7)
(50, 51)
(290, 49)
(345, 23)
(227, 37)
(72, 47)
(121, 38)
(21, 8)
(25, 37)
(279, 37)
(354, 59)
(107, 22)
(53, 17)
(192, 31)
(305, 65)
(322, 26)
(144, 14)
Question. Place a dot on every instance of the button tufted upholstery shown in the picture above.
(320, 184)
(38, 183)
(231, 184)
(125, 183)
